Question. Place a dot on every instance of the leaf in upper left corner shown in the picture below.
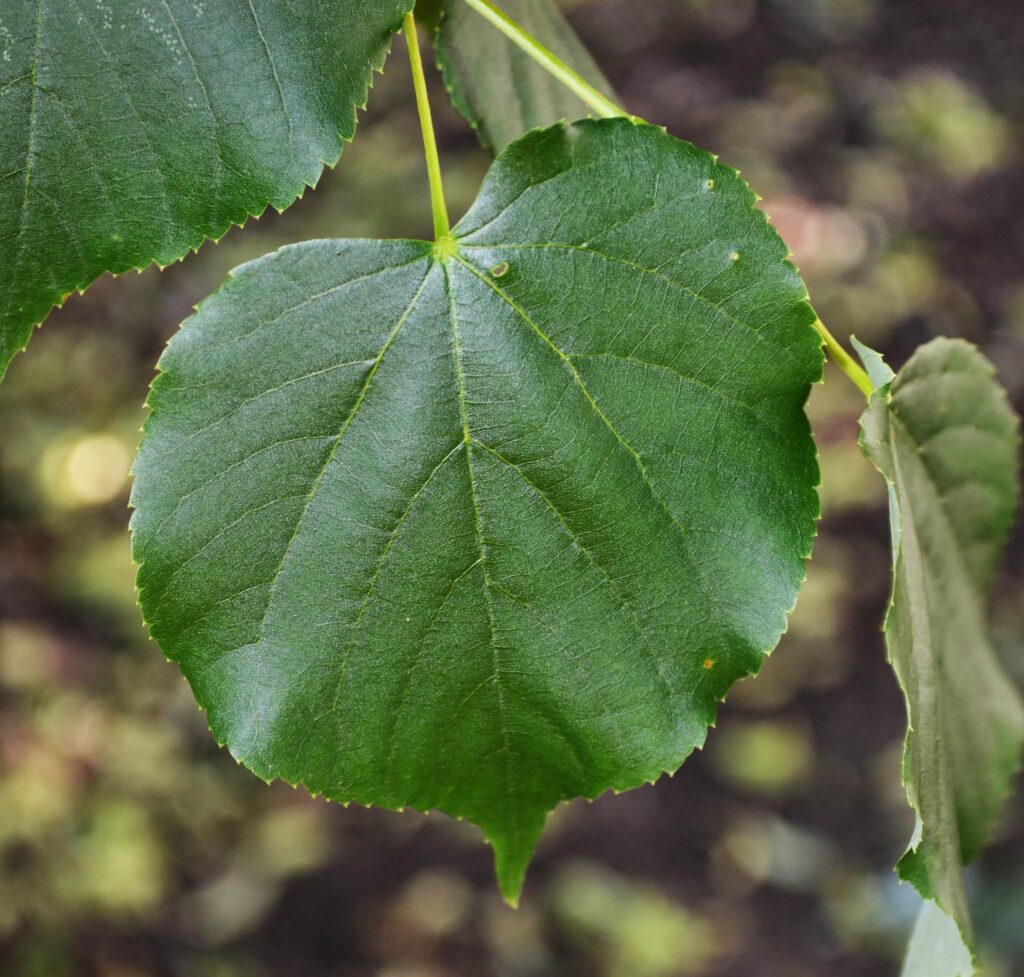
(499, 89)
(133, 130)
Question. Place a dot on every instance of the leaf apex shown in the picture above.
(514, 845)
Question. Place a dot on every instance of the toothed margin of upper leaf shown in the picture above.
(451, 85)
(291, 195)
(457, 92)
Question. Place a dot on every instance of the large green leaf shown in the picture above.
(495, 85)
(944, 436)
(132, 131)
(492, 524)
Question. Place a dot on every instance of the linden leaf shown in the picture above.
(491, 524)
(130, 132)
(498, 88)
(944, 436)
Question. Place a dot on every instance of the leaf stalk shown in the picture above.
(442, 228)
(844, 360)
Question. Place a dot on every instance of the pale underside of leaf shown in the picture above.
(497, 87)
(492, 532)
(944, 436)
(937, 947)
(130, 132)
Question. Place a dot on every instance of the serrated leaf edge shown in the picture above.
(308, 182)
(649, 777)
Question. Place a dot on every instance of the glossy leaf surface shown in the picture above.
(489, 525)
(130, 132)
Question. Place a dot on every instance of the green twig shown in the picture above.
(442, 228)
(844, 360)
(603, 106)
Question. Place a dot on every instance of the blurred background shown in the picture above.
(886, 138)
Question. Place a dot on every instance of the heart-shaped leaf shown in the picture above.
(493, 523)
(500, 91)
(945, 438)
(130, 132)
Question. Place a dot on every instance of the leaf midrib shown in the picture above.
(481, 545)
(957, 556)
(709, 595)
(933, 839)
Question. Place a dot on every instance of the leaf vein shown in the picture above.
(372, 584)
(621, 600)
(638, 461)
(346, 424)
(482, 546)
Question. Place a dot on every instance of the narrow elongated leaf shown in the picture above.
(944, 436)
(132, 131)
(491, 524)
(495, 85)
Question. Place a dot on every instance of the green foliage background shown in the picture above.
(886, 144)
